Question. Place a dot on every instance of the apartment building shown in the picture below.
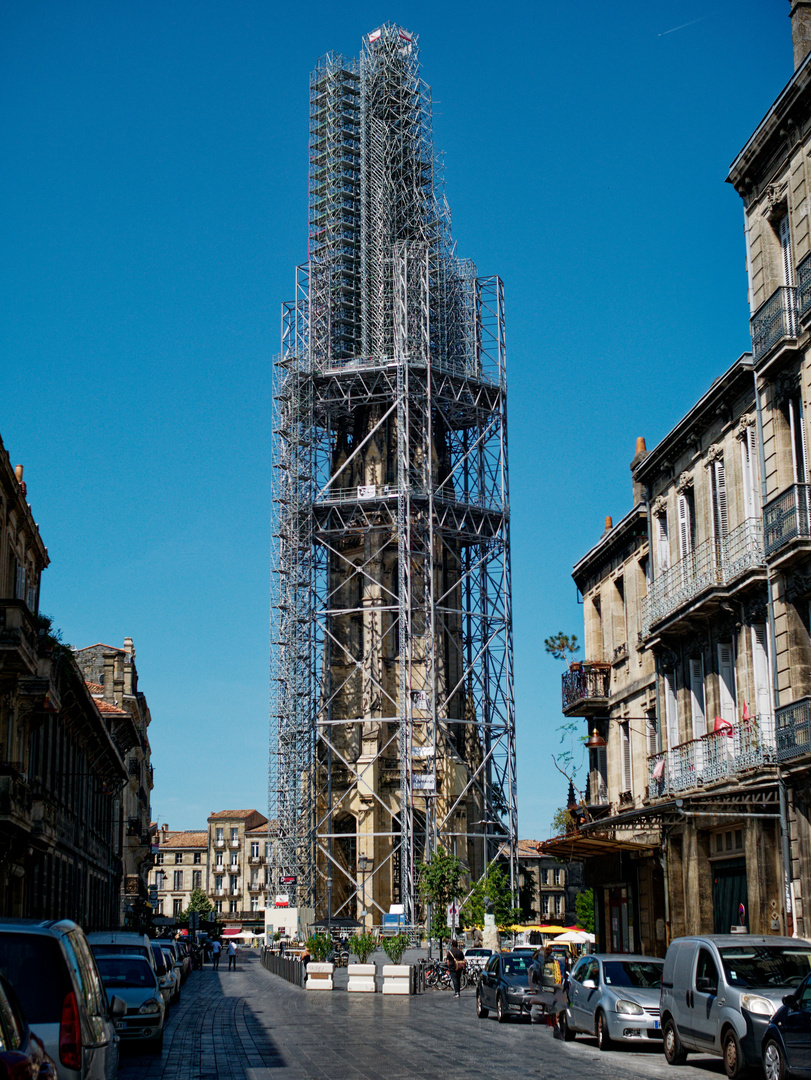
(547, 888)
(181, 866)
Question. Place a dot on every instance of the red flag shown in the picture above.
(723, 725)
(658, 769)
(745, 711)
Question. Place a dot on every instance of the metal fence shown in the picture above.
(774, 320)
(793, 729)
(586, 682)
(786, 517)
(286, 967)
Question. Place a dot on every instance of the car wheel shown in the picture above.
(774, 1061)
(566, 1030)
(734, 1064)
(481, 1011)
(671, 1044)
(501, 1010)
(603, 1038)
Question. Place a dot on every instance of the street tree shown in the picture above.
(440, 885)
(198, 901)
(494, 884)
(584, 910)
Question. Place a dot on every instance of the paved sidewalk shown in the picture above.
(250, 1025)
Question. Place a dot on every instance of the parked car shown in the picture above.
(52, 970)
(134, 980)
(168, 978)
(615, 997)
(111, 942)
(22, 1054)
(720, 991)
(504, 987)
(174, 949)
(477, 958)
(787, 1041)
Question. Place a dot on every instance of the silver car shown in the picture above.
(51, 968)
(131, 978)
(614, 996)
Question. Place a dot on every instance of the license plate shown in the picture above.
(656, 1025)
(120, 1025)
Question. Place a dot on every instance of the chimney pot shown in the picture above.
(640, 445)
(609, 524)
(18, 472)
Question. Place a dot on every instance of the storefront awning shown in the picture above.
(581, 845)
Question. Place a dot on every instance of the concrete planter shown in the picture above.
(361, 978)
(396, 978)
(319, 976)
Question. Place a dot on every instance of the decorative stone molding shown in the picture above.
(775, 201)
(684, 483)
(659, 506)
(756, 611)
(744, 423)
(797, 586)
(714, 453)
(786, 385)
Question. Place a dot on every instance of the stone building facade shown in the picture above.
(61, 766)
(547, 888)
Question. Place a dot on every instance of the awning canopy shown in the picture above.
(231, 931)
(582, 845)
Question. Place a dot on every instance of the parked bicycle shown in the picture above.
(438, 977)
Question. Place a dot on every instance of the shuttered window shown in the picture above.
(671, 709)
(748, 450)
(685, 526)
(652, 733)
(784, 232)
(799, 457)
(625, 743)
(697, 705)
(720, 519)
(662, 543)
(726, 683)
(760, 664)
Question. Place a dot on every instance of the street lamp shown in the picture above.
(329, 904)
(363, 865)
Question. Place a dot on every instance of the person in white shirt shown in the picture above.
(216, 949)
(232, 954)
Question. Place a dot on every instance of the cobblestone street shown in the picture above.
(251, 1025)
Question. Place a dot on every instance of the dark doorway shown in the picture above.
(729, 895)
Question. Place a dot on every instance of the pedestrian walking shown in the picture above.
(216, 949)
(455, 959)
(232, 954)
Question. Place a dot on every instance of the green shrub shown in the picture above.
(395, 946)
(320, 946)
(363, 945)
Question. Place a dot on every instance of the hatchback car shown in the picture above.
(51, 968)
(21, 1052)
(504, 987)
(787, 1042)
(615, 997)
(133, 979)
(168, 978)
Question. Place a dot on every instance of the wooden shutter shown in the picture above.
(662, 543)
(19, 588)
(625, 732)
(685, 527)
(652, 733)
(697, 706)
(720, 517)
(785, 251)
(748, 448)
(799, 457)
(760, 664)
(726, 683)
(671, 709)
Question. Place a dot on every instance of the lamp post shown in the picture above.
(363, 865)
(329, 904)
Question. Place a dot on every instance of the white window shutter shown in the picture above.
(684, 527)
(748, 448)
(760, 664)
(726, 683)
(671, 709)
(697, 706)
(662, 543)
(721, 518)
(625, 731)
(785, 251)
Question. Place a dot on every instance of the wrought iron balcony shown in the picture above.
(711, 565)
(255, 886)
(793, 729)
(804, 287)
(586, 688)
(720, 755)
(786, 518)
(774, 322)
(256, 860)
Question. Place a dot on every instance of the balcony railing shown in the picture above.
(598, 790)
(786, 518)
(255, 886)
(793, 729)
(255, 860)
(586, 683)
(774, 321)
(712, 564)
(719, 755)
(804, 287)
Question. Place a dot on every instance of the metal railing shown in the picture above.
(718, 755)
(586, 682)
(712, 564)
(786, 518)
(774, 321)
(286, 967)
(598, 790)
(804, 287)
(793, 729)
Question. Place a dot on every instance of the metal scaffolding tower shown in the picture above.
(392, 724)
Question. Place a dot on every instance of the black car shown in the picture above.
(504, 987)
(786, 1049)
(22, 1054)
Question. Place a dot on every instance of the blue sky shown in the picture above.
(154, 193)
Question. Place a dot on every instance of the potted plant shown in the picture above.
(319, 971)
(362, 975)
(396, 976)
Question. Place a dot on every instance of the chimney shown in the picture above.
(640, 455)
(18, 472)
(108, 679)
(800, 30)
(609, 525)
(130, 684)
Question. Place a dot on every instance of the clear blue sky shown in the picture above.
(154, 189)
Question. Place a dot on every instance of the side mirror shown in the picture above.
(118, 1007)
(161, 969)
(790, 1000)
(590, 984)
(703, 985)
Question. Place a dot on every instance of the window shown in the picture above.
(220, 834)
(254, 903)
(254, 849)
(760, 665)
(197, 879)
(267, 850)
(652, 732)
(233, 880)
(234, 836)
(544, 877)
(178, 879)
(556, 876)
(177, 907)
(197, 858)
(727, 696)
(159, 859)
(718, 487)
(671, 708)
(235, 858)
(686, 524)
(219, 859)
(787, 258)
(662, 543)
(750, 493)
(544, 905)
(625, 750)
(178, 856)
(697, 704)
(159, 909)
(232, 907)
(796, 423)
(706, 973)
(218, 906)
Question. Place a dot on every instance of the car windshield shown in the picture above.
(125, 973)
(35, 967)
(765, 967)
(99, 949)
(514, 965)
(641, 974)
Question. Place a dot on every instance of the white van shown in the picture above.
(719, 992)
